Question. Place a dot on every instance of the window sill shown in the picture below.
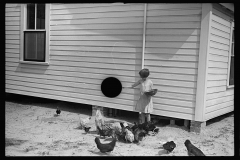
(38, 63)
(232, 86)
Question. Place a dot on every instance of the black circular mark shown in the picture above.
(111, 87)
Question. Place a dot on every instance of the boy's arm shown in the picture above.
(136, 83)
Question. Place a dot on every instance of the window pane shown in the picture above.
(231, 78)
(31, 16)
(40, 16)
(34, 46)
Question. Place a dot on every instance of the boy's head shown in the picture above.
(144, 73)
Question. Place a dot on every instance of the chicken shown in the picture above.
(58, 111)
(139, 134)
(129, 136)
(155, 131)
(99, 120)
(169, 146)
(108, 147)
(135, 126)
(87, 129)
(83, 122)
(116, 126)
(192, 150)
(104, 133)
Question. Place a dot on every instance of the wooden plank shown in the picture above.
(173, 6)
(12, 36)
(219, 112)
(174, 114)
(171, 57)
(95, 54)
(221, 27)
(123, 8)
(220, 46)
(213, 64)
(98, 32)
(175, 83)
(169, 25)
(219, 12)
(173, 76)
(11, 46)
(97, 15)
(12, 50)
(217, 71)
(170, 63)
(173, 102)
(12, 41)
(218, 58)
(218, 39)
(176, 96)
(216, 89)
(84, 5)
(98, 21)
(172, 38)
(161, 69)
(11, 5)
(166, 31)
(172, 51)
(212, 77)
(137, 25)
(12, 19)
(218, 52)
(12, 23)
(193, 18)
(220, 94)
(219, 106)
(9, 33)
(220, 100)
(97, 38)
(219, 33)
(7, 54)
(221, 20)
(158, 13)
(12, 14)
(12, 9)
(172, 45)
(183, 90)
(97, 60)
(99, 43)
(12, 28)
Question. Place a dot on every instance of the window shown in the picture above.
(231, 59)
(34, 33)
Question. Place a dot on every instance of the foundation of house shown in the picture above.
(197, 126)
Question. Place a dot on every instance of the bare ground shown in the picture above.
(32, 129)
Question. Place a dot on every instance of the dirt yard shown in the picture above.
(31, 129)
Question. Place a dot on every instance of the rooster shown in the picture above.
(192, 150)
(108, 147)
(129, 135)
(83, 122)
(139, 134)
(99, 121)
(169, 146)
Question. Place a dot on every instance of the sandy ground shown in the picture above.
(32, 130)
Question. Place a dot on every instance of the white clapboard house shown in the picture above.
(65, 51)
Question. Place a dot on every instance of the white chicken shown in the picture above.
(116, 127)
(129, 135)
(99, 120)
(83, 122)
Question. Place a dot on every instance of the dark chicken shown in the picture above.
(58, 111)
(108, 147)
(139, 134)
(192, 150)
(169, 146)
(135, 126)
(87, 129)
(104, 133)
